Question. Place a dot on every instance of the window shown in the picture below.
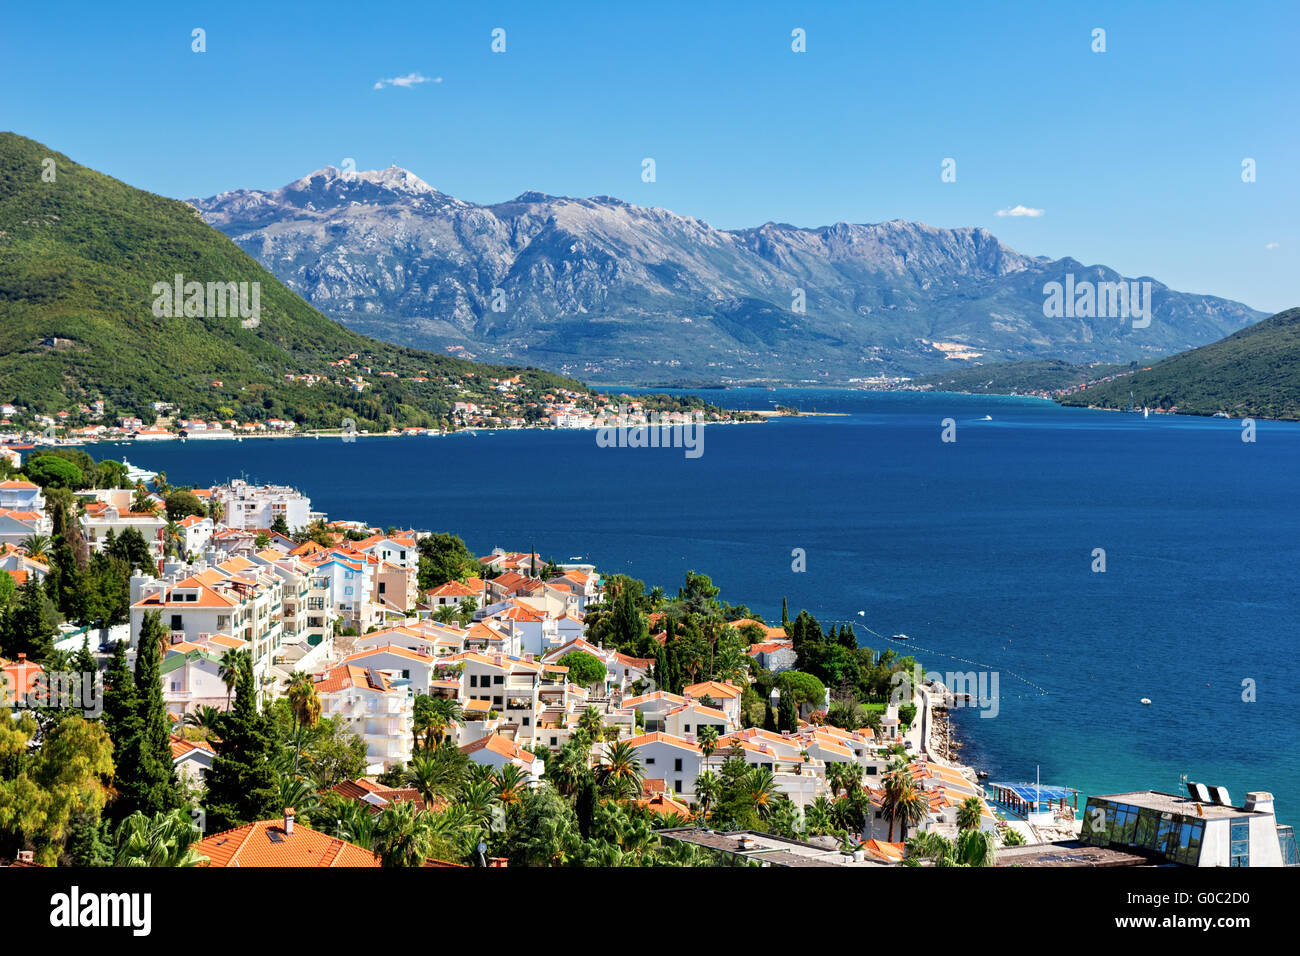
(677, 784)
(381, 587)
(649, 761)
(553, 739)
(498, 679)
(473, 680)
(677, 765)
(176, 623)
(1240, 843)
(687, 728)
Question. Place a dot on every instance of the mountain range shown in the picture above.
(83, 258)
(616, 293)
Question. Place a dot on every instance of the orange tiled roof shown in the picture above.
(265, 843)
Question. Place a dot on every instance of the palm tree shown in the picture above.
(592, 725)
(165, 839)
(620, 773)
(38, 546)
(511, 783)
(402, 836)
(761, 789)
(306, 709)
(976, 848)
(708, 787)
(929, 845)
(298, 794)
(817, 817)
(446, 614)
(969, 814)
(432, 777)
(567, 768)
(205, 718)
(903, 801)
(707, 740)
(355, 823)
(232, 662)
(171, 538)
(216, 510)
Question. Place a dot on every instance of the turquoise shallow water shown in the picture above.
(980, 549)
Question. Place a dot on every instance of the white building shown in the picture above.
(257, 506)
(373, 709)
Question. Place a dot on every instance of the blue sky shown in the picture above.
(1133, 155)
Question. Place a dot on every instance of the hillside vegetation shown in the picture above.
(1254, 372)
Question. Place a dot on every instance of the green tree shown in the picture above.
(165, 839)
(241, 783)
(181, 504)
(29, 626)
(585, 669)
(443, 558)
(146, 778)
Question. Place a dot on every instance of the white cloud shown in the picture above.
(1020, 211)
(411, 79)
(1270, 245)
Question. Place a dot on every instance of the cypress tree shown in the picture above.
(146, 777)
(785, 614)
(769, 718)
(241, 783)
(121, 709)
(847, 637)
(788, 714)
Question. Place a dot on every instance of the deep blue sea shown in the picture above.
(980, 549)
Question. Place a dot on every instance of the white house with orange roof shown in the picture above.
(18, 495)
(510, 685)
(654, 707)
(191, 675)
(725, 697)
(17, 526)
(372, 708)
(400, 549)
(100, 518)
(496, 751)
(452, 594)
(403, 667)
(21, 565)
(675, 760)
(196, 532)
(351, 583)
(689, 718)
(234, 598)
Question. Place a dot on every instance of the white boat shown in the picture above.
(136, 474)
(1145, 701)
(901, 637)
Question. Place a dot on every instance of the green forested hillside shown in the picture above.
(1254, 372)
(79, 257)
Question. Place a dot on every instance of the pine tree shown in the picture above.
(146, 777)
(241, 783)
